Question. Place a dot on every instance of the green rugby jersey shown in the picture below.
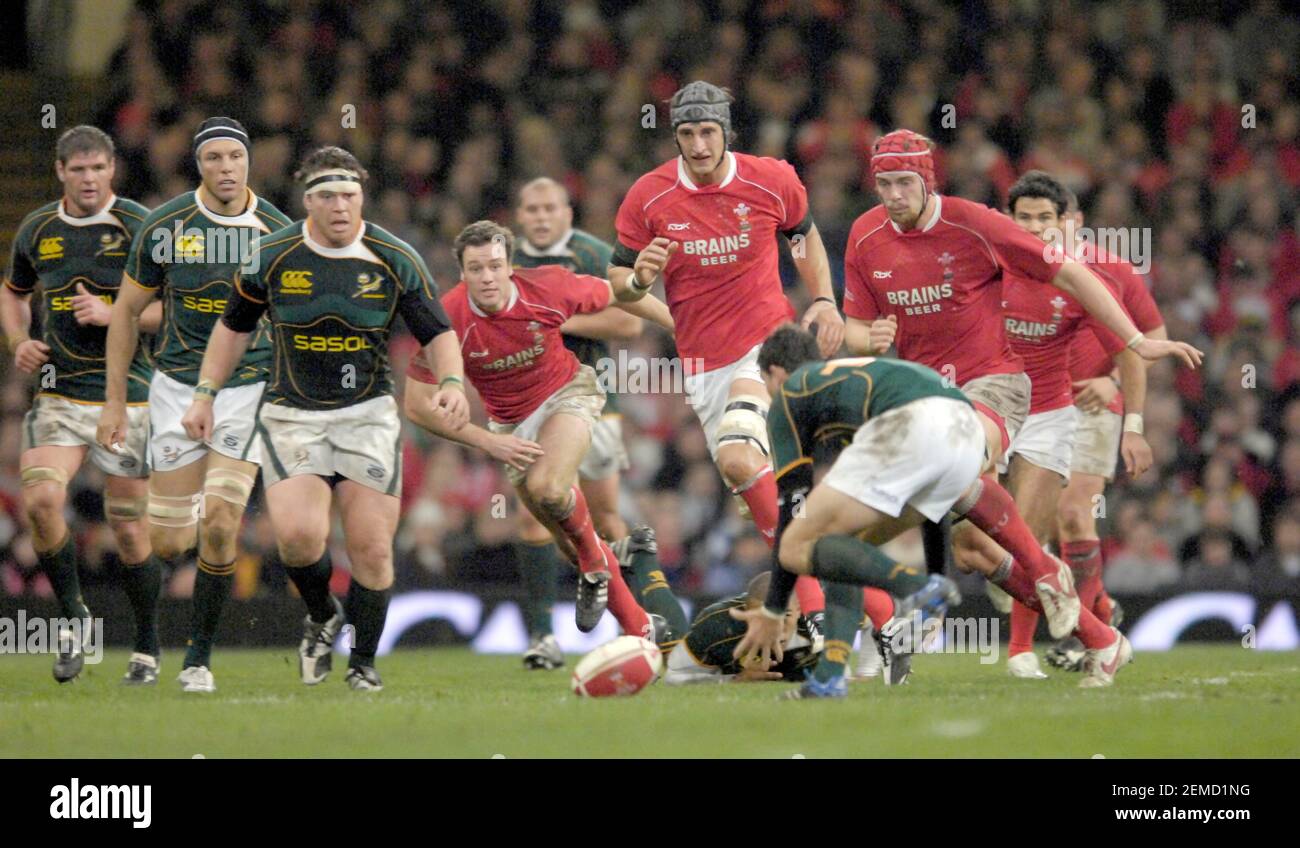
(57, 251)
(331, 312)
(822, 404)
(189, 254)
(582, 253)
(714, 634)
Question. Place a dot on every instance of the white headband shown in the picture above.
(334, 179)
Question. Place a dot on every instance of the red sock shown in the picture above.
(760, 497)
(1089, 588)
(995, 513)
(1103, 607)
(1091, 632)
(1019, 585)
(811, 598)
(622, 603)
(582, 533)
(879, 606)
(1084, 558)
(1024, 622)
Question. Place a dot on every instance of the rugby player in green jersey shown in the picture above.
(916, 454)
(73, 251)
(185, 256)
(332, 287)
(545, 219)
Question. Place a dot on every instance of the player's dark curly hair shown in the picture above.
(789, 346)
(329, 158)
(1039, 184)
(480, 233)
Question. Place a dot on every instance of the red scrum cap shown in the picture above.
(903, 150)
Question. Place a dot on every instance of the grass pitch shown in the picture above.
(1194, 701)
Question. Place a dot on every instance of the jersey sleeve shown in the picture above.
(1137, 299)
(794, 196)
(633, 229)
(141, 266)
(859, 302)
(21, 274)
(1020, 251)
(584, 293)
(418, 305)
(684, 669)
(247, 303)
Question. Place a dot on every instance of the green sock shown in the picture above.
(211, 589)
(843, 615)
(366, 610)
(60, 566)
(844, 559)
(142, 582)
(651, 588)
(539, 565)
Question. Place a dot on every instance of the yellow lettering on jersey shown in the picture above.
(330, 344)
(203, 304)
(295, 282)
(64, 304)
(50, 248)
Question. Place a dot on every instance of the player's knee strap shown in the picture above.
(744, 420)
(173, 510)
(228, 484)
(125, 508)
(38, 474)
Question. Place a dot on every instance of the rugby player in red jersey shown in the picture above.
(924, 273)
(541, 402)
(706, 222)
(1042, 324)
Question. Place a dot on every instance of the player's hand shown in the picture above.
(197, 421)
(1096, 393)
(31, 355)
(756, 672)
(111, 429)
(761, 644)
(1136, 452)
(1153, 349)
(651, 260)
(830, 326)
(452, 406)
(90, 310)
(882, 332)
(515, 452)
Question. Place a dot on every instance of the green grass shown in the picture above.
(1191, 702)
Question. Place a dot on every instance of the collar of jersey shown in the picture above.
(243, 219)
(929, 225)
(514, 298)
(685, 180)
(560, 248)
(103, 216)
(355, 249)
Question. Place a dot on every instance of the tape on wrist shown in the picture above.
(453, 380)
(1133, 423)
(1136, 340)
(205, 390)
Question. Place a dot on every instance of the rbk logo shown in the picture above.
(882, 275)
(475, 354)
(675, 228)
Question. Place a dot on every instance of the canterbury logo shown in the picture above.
(51, 248)
(295, 282)
(882, 275)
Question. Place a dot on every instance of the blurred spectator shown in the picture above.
(1216, 567)
(1143, 564)
(1278, 571)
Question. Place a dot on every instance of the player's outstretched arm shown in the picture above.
(1076, 280)
(15, 317)
(609, 324)
(225, 348)
(814, 267)
(418, 404)
(651, 309)
(1133, 445)
(443, 351)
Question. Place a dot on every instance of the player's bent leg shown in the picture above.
(1037, 492)
(299, 508)
(602, 500)
(369, 524)
(126, 504)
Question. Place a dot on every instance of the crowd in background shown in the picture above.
(1171, 118)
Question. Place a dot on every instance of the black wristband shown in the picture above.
(829, 300)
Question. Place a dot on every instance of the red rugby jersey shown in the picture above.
(722, 285)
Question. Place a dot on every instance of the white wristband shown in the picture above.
(767, 613)
(1135, 341)
(1133, 423)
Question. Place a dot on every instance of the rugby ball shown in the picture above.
(624, 666)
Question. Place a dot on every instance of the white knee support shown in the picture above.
(38, 474)
(173, 510)
(228, 484)
(744, 420)
(123, 509)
